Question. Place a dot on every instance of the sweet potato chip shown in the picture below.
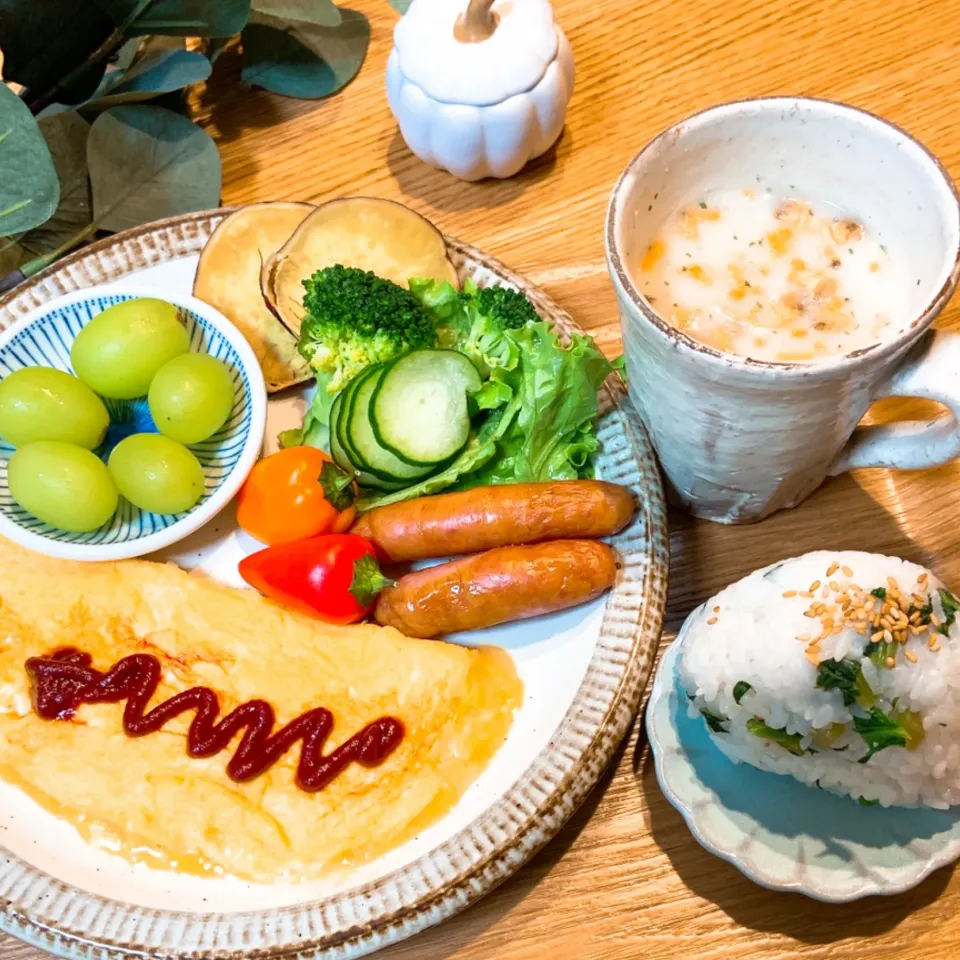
(378, 235)
(228, 278)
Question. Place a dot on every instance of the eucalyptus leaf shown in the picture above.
(401, 6)
(125, 56)
(178, 18)
(214, 46)
(147, 162)
(161, 71)
(303, 60)
(29, 189)
(44, 40)
(12, 256)
(66, 137)
(157, 43)
(323, 13)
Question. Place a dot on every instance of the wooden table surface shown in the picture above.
(625, 878)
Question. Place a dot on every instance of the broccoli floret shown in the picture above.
(354, 319)
(488, 315)
(508, 308)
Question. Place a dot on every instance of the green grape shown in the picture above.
(39, 403)
(63, 485)
(191, 397)
(156, 473)
(120, 350)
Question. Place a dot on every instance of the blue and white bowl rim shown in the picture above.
(225, 492)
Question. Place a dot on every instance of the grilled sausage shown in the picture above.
(450, 524)
(508, 583)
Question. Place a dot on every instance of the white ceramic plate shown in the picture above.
(779, 832)
(583, 670)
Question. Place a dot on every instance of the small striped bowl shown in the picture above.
(44, 338)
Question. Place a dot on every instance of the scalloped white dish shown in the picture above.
(777, 831)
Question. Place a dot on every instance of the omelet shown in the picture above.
(146, 799)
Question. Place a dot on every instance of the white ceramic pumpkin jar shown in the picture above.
(479, 89)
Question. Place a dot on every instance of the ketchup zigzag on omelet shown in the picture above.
(66, 679)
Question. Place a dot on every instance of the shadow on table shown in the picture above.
(233, 109)
(705, 557)
(757, 908)
(444, 192)
(841, 515)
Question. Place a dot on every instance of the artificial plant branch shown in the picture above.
(38, 102)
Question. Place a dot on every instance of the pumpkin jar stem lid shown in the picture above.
(477, 23)
(508, 49)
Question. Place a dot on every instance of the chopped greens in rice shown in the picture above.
(841, 669)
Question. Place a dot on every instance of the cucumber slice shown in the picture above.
(339, 441)
(419, 409)
(339, 455)
(368, 454)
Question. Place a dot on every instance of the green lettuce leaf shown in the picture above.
(553, 435)
(315, 431)
(534, 417)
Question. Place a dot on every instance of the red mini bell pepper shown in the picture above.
(334, 577)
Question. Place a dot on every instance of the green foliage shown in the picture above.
(509, 308)
(537, 409)
(29, 189)
(740, 689)
(12, 257)
(879, 732)
(879, 651)
(322, 13)
(714, 722)
(840, 675)
(66, 136)
(553, 436)
(778, 735)
(147, 162)
(125, 56)
(480, 450)
(951, 606)
(43, 40)
(137, 163)
(304, 59)
(214, 46)
(355, 319)
(179, 18)
(161, 71)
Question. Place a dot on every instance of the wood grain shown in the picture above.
(625, 878)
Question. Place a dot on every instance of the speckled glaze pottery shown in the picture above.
(481, 108)
(583, 671)
(739, 438)
(777, 831)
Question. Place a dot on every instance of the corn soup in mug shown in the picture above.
(773, 278)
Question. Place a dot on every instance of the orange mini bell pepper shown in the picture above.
(294, 494)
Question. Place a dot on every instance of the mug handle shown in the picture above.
(930, 373)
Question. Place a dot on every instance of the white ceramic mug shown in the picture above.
(740, 438)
